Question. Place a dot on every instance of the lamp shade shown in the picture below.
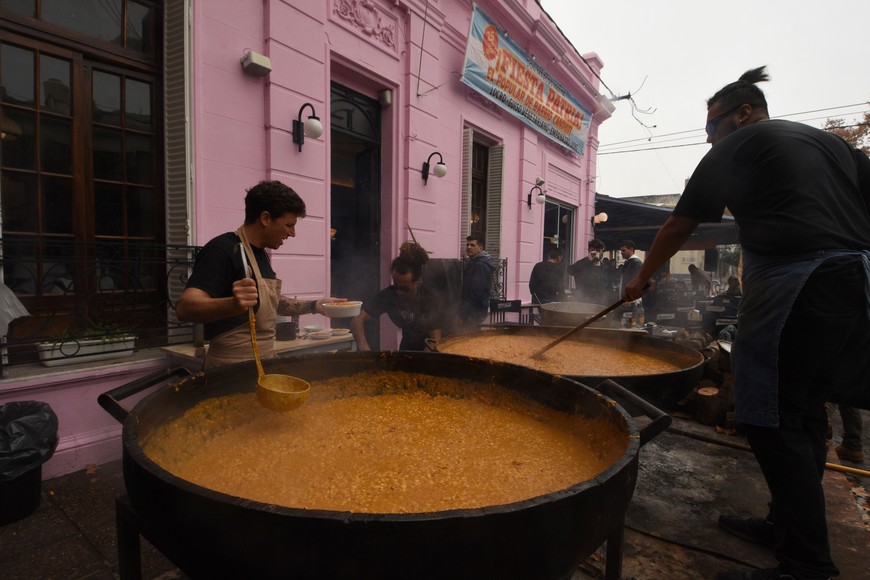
(313, 127)
(440, 170)
(541, 198)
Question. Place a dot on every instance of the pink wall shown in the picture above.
(87, 435)
(243, 123)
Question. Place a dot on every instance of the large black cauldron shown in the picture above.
(209, 534)
(663, 390)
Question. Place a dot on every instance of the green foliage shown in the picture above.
(96, 331)
(730, 255)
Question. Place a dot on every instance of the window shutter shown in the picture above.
(178, 144)
(465, 209)
(494, 188)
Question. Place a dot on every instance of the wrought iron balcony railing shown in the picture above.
(76, 291)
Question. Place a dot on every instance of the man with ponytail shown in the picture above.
(800, 197)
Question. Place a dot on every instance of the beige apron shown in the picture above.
(235, 345)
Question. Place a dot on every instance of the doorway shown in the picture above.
(558, 229)
(559, 233)
(355, 200)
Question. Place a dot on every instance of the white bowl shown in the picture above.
(345, 309)
(312, 328)
(321, 335)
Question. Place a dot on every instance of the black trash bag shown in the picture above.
(28, 437)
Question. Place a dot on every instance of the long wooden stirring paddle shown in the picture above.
(580, 327)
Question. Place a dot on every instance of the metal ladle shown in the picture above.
(276, 392)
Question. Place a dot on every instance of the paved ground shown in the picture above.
(687, 476)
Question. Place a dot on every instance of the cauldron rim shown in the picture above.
(135, 452)
(556, 331)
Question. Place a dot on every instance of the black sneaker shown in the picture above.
(756, 530)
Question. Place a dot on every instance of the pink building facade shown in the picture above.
(384, 78)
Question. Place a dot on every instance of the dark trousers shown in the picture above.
(827, 315)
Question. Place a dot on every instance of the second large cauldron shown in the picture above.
(662, 389)
(574, 313)
(212, 534)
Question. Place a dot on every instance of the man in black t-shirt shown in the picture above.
(220, 291)
(410, 306)
(547, 282)
(801, 200)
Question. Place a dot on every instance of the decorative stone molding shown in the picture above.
(369, 20)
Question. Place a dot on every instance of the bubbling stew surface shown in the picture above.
(386, 442)
(568, 357)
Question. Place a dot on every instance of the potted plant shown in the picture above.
(92, 344)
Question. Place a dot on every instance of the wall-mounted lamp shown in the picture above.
(541, 198)
(440, 170)
(599, 218)
(312, 127)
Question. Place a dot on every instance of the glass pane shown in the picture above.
(139, 26)
(19, 202)
(54, 80)
(109, 207)
(140, 212)
(55, 145)
(16, 75)
(137, 108)
(107, 98)
(98, 18)
(138, 158)
(19, 142)
(26, 7)
(107, 154)
(57, 205)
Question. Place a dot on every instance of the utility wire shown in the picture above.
(777, 117)
(688, 131)
(704, 143)
(649, 149)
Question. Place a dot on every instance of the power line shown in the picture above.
(650, 149)
(648, 139)
(704, 143)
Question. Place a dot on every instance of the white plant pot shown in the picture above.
(74, 351)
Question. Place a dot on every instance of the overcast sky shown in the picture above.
(672, 55)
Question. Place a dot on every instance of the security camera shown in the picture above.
(539, 182)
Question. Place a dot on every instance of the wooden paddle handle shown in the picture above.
(252, 323)
(580, 327)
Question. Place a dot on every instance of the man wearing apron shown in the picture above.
(219, 291)
(800, 197)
